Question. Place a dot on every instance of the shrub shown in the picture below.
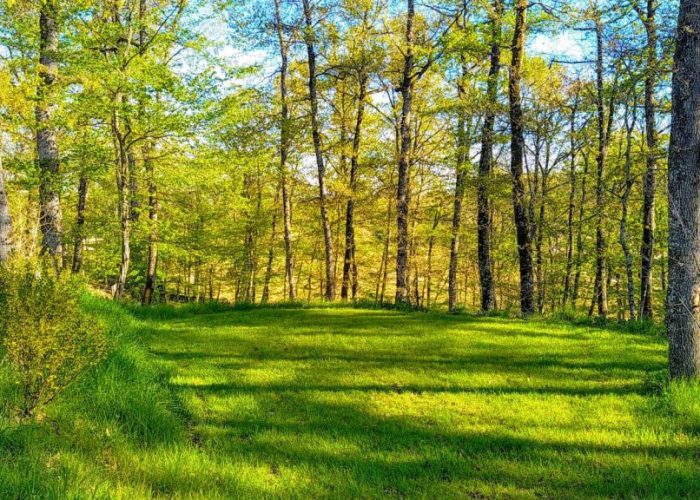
(46, 338)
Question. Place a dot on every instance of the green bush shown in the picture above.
(46, 339)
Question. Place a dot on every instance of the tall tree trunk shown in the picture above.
(517, 143)
(625, 199)
(429, 271)
(403, 192)
(649, 190)
(318, 149)
(683, 301)
(46, 143)
(152, 252)
(572, 202)
(460, 188)
(601, 288)
(349, 263)
(488, 296)
(124, 205)
(80, 225)
(270, 254)
(284, 153)
(5, 219)
(539, 236)
(578, 260)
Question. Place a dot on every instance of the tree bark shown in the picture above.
(152, 252)
(284, 153)
(601, 288)
(683, 301)
(488, 296)
(318, 149)
(403, 194)
(572, 202)
(625, 199)
(349, 262)
(649, 189)
(270, 254)
(80, 225)
(460, 188)
(522, 223)
(46, 142)
(124, 205)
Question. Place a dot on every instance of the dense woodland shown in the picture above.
(430, 155)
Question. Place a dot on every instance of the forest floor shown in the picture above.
(341, 402)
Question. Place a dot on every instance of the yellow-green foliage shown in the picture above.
(46, 339)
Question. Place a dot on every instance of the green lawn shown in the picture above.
(338, 402)
(343, 402)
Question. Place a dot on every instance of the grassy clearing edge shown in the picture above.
(125, 404)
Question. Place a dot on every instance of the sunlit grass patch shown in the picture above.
(341, 402)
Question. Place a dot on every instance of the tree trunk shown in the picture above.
(80, 225)
(488, 297)
(625, 198)
(403, 194)
(349, 262)
(46, 142)
(522, 223)
(578, 260)
(683, 302)
(649, 189)
(284, 153)
(572, 203)
(270, 254)
(460, 188)
(124, 205)
(152, 252)
(5, 219)
(601, 288)
(318, 149)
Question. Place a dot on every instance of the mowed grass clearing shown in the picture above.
(339, 402)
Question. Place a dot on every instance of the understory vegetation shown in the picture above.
(210, 401)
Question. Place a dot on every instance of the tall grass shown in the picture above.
(123, 403)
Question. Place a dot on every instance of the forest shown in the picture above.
(349, 248)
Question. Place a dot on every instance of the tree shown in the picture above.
(488, 297)
(683, 302)
(284, 154)
(517, 145)
(46, 141)
(309, 36)
(648, 17)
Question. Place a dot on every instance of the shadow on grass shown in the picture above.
(304, 425)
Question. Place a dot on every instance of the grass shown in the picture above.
(340, 402)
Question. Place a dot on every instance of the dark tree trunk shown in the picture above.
(578, 260)
(522, 224)
(270, 254)
(460, 188)
(649, 190)
(80, 225)
(683, 301)
(625, 200)
(318, 149)
(152, 252)
(488, 296)
(284, 153)
(349, 262)
(403, 192)
(124, 205)
(601, 287)
(46, 142)
(572, 203)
